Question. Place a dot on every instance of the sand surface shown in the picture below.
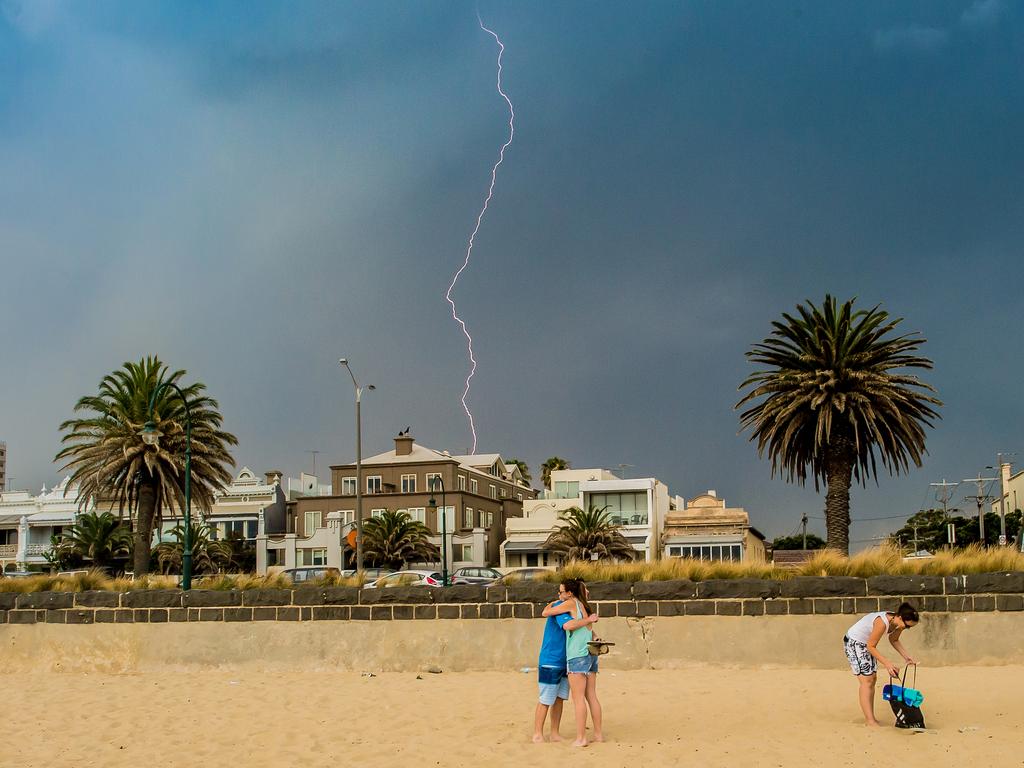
(702, 716)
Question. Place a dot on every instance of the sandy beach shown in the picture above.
(704, 715)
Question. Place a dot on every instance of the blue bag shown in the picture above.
(905, 702)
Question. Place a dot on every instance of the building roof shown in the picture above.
(420, 454)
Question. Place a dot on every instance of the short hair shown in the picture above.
(907, 612)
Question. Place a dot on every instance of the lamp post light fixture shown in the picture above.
(151, 436)
(432, 505)
(359, 464)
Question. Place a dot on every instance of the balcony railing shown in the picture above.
(37, 549)
(8, 550)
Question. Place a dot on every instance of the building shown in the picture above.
(480, 495)
(3, 466)
(705, 529)
(28, 522)
(638, 505)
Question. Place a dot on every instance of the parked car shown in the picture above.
(309, 573)
(372, 574)
(408, 579)
(524, 574)
(21, 574)
(474, 576)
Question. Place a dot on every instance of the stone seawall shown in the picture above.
(976, 619)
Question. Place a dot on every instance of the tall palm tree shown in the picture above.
(208, 554)
(549, 466)
(394, 539)
(588, 533)
(98, 538)
(832, 402)
(524, 470)
(111, 463)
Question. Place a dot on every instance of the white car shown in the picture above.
(408, 579)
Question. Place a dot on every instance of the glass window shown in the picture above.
(348, 486)
(519, 496)
(419, 514)
(309, 557)
(373, 484)
(462, 482)
(408, 483)
(467, 519)
(433, 481)
(567, 489)
(252, 529)
(347, 516)
(377, 512)
(312, 520)
(474, 486)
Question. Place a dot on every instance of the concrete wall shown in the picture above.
(501, 644)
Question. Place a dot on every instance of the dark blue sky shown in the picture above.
(253, 190)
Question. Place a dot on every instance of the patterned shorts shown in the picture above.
(860, 658)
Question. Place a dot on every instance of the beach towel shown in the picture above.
(905, 701)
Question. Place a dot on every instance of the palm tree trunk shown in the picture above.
(838, 474)
(142, 534)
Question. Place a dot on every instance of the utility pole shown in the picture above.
(980, 500)
(916, 548)
(314, 464)
(943, 495)
(803, 522)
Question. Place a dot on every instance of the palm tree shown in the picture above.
(111, 462)
(835, 404)
(394, 539)
(549, 466)
(589, 533)
(98, 537)
(208, 554)
(524, 470)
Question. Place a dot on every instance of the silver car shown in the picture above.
(474, 576)
(408, 579)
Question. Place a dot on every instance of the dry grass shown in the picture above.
(882, 560)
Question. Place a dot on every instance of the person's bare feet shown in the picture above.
(598, 737)
(580, 743)
(555, 737)
(538, 738)
(873, 724)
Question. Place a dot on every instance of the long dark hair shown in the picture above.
(578, 589)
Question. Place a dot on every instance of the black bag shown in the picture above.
(905, 702)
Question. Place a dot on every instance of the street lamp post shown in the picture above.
(432, 504)
(359, 464)
(151, 436)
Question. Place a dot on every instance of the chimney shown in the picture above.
(273, 476)
(403, 444)
(712, 493)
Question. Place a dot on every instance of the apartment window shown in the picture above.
(467, 517)
(447, 515)
(419, 514)
(373, 484)
(434, 481)
(462, 482)
(494, 492)
(733, 552)
(377, 512)
(519, 496)
(241, 529)
(463, 552)
(565, 489)
(503, 492)
(347, 516)
(348, 486)
(408, 483)
(313, 520)
(486, 519)
(474, 486)
(312, 557)
(622, 508)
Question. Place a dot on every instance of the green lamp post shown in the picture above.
(432, 504)
(151, 436)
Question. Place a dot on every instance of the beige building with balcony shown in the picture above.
(481, 494)
(705, 529)
(28, 521)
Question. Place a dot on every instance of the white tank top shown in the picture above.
(861, 631)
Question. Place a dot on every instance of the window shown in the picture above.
(419, 514)
(519, 497)
(733, 552)
(463, 552)
(241, 529)
(408, 483)
(447, 516)
(312, 557)
(565, 489)
(467, 518)
(486, 519)
(347, 516)
(313, 520)
(462, 482)
(494, 492)
(377, 512)
(474, 486)
(348, 486)
(503, 492)
(434, 481)
(623, 508)
(373, 484)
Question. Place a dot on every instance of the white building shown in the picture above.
(27, 522)
(637, 505)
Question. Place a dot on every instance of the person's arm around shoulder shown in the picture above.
(878, 629)
(569, 626)
(556, 607)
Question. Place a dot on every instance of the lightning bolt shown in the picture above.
(476, 229)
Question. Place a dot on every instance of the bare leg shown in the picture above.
(538, 722)
(595, 706)
(556, 719)
(867, 698)
(578, 690)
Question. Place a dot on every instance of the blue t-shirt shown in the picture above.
(552, 647)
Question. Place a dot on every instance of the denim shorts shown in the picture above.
(552, 684)
(583, 665)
